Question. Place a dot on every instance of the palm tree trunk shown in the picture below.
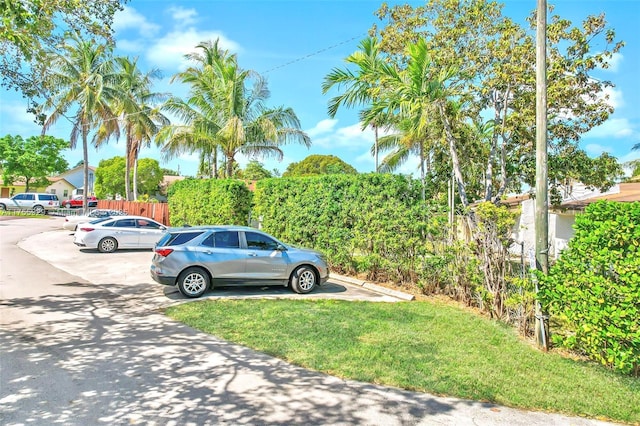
(422, 174)
(229, 167)
(375, 131)
(215, 162)
(135, 177)
(85, 167)
(127, 167)
(454, 156)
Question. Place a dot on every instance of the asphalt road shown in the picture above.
(84, 342)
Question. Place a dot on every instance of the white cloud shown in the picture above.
(184, 16)
(351, 137)
(614, 97)
(614, 62)
(129, 18)
(322, 127)
(594, 149)
(613, 128)
(168, 52)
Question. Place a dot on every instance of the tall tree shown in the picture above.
(140, 114)
(110, 176)
(319, 165)
(419, 94)
(31, 160)
(84, 82)
(31, 28)
(361, 86)
(493, 56)
(223, 112)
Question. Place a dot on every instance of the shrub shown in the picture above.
(594, 287)
(209, 202)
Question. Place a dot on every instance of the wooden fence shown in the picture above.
(156, 211)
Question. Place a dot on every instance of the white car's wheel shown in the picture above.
(107, 245)
(38, 209)
(304, 279)
(193, 282)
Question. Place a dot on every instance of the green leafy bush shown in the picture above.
(594, 288)
(209, 202)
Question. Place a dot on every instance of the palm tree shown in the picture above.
(140, 114)
(83, 78)
(222, 113)
(362, 86)
(420, 95)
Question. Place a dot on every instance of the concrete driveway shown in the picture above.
(75, 351)
(129, 269)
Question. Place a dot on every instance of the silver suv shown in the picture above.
(196, 259)
(39, 202)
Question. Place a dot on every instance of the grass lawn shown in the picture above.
(425, 346)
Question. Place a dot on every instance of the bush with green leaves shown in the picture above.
(373, 224)
(594, 287)
(209, 202)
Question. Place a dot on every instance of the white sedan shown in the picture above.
(72, 221)
(119, 232)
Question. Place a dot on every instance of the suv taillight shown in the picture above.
(164, 252)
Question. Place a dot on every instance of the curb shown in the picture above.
(372, 287)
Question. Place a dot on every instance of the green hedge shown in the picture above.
(368, 223)
(209, 202)
(594, 287)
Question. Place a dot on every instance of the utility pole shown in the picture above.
(542, 186)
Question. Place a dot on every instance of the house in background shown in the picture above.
(70, 183)
(562, 217)
(17, 187)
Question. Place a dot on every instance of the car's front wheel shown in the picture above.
(107, 245)
(303, 280)
(3, 207)
(67, 206)
(193, 282)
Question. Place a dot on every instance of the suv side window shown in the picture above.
(222, 239)
(260, 242)
(179, 238)
(20, 197)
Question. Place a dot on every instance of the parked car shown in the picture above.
(71, 222)
(40, 203)
(198, 258)
(119, 232)
(76, 201)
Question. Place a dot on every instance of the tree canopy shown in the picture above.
(110, 177)
(31, 160)
(458, 88)
(255, 171)
(319, 165)
(31, 28)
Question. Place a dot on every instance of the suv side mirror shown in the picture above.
(280, 247)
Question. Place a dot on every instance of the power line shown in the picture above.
(317, 52)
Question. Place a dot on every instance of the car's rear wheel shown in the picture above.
(67, 205)
(3, 207)
(304, 279)
(38, 209)
(107, 245)
(193, 282)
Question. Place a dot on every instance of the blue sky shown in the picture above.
(295, 43)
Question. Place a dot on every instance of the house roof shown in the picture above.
(629, 192)
(75, 169)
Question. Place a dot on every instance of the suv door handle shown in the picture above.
(253, 254)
